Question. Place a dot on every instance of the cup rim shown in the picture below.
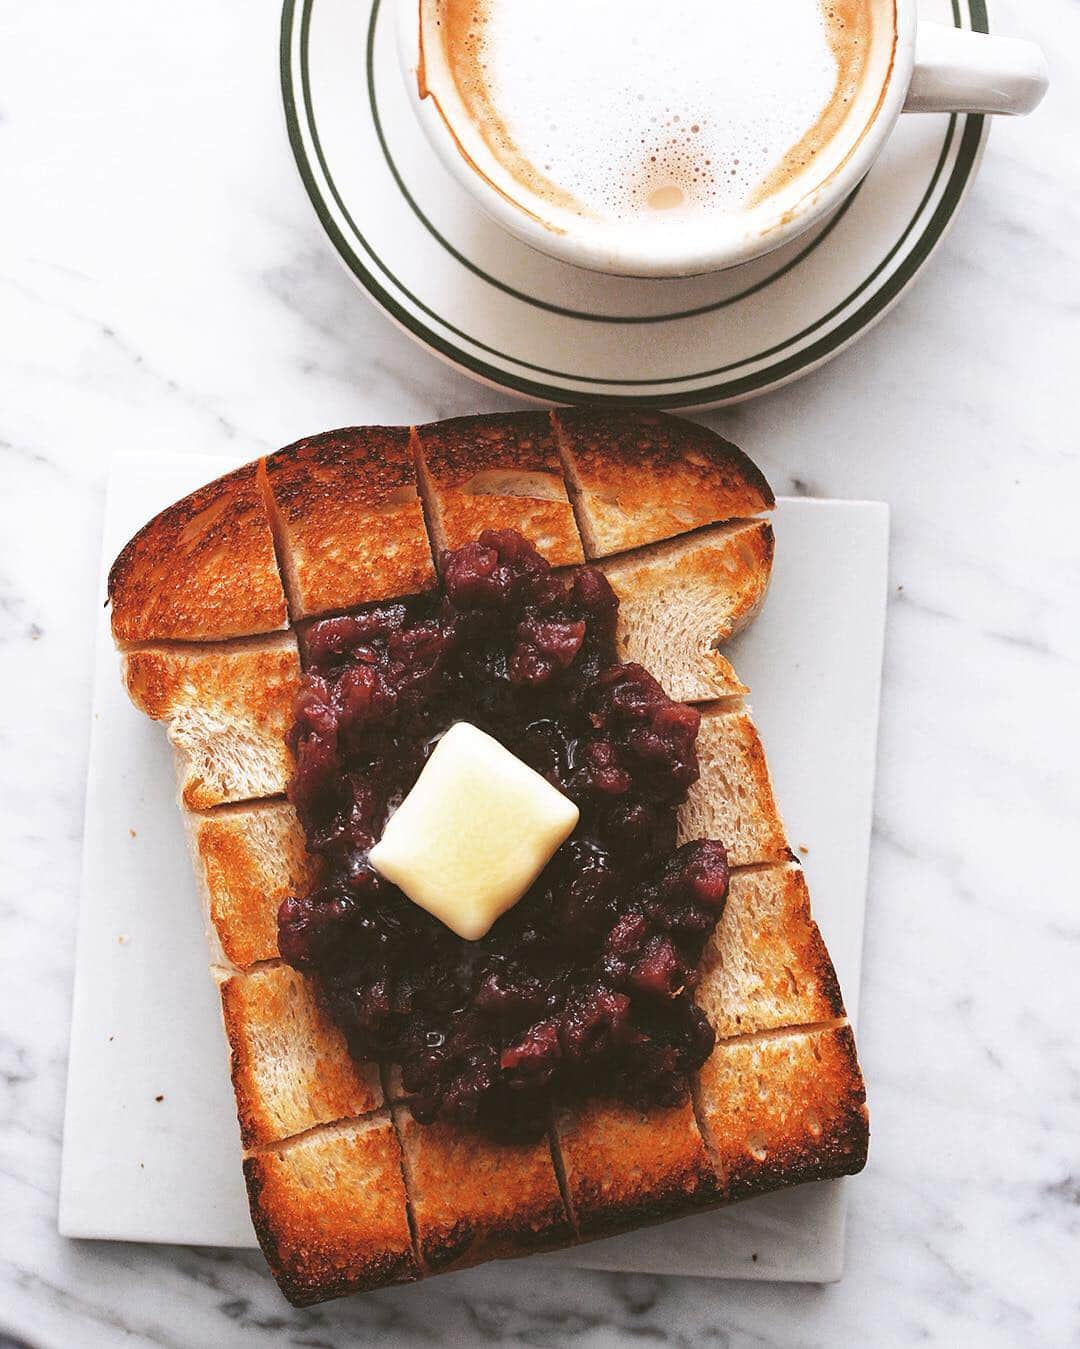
(738, 247)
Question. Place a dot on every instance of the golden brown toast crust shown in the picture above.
(330, 1213)
(784, 1110)
(349, 521)
(350, 529)
(680, 600)
(638, 477)
(733, 799)
(329, 1165)
(228, 708)
(765, 965)
(625, 1167)
(497, 472)
(272, 1018)
(474, 1199)
(202, 570)
(247, 860)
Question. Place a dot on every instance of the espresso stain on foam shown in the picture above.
(461, 26)
(850, 30)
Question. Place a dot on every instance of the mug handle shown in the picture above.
(960, 71)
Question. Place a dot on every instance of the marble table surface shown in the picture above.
(163, 283)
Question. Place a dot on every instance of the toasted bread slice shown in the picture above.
(784, 1109)
(639, 477)
(497, 472)
(678, 601)
(348, 519)
(227, 708)
(247, 860)
(474, 1199)
(330, 1212)
(291, 1067)
(202, 570)
(765, 965)
(733, 798)
(329, 1164)
(625, 1167)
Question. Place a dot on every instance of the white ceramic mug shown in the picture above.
(933, 69)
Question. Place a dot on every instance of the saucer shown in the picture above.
(418, 244)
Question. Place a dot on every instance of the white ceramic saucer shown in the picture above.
(428, 256)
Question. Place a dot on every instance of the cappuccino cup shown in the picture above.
(672, 139)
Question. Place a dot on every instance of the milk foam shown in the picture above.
(630, 111)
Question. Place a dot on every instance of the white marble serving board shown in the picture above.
(151, 1148)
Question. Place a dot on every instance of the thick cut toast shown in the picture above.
(291, 1069)
(226, 710)
(733, 799)
(247, 859)
(638, 477)
(473, 1199)
(347, 1190)
(626, 1167)
(679, 600)
(500, 472)
(202, 570)
(330, 1211)
(765, 965)
(784, 1109)
(348, 519)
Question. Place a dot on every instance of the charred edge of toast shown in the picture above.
(347, 520)
(234, 508)
(700, 1193)
(538, 1224)
(841, 1151)
(203, 569)
(496, 471)
(668, 453)
(325, 1281)
(841, 1143)
(319, 1275)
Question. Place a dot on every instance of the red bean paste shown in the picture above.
(584, 987)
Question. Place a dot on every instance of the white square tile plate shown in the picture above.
(151, 1149)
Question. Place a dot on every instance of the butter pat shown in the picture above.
(474, 833)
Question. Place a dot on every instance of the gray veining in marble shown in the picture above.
(163, 282)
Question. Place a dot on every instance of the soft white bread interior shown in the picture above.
(247, 859)
(291, 1067)
(680, 600)
(226, 708)
(733, 799)
(765, 965)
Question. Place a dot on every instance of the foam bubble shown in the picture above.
(637, 111)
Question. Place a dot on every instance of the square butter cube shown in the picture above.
(474, 833)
